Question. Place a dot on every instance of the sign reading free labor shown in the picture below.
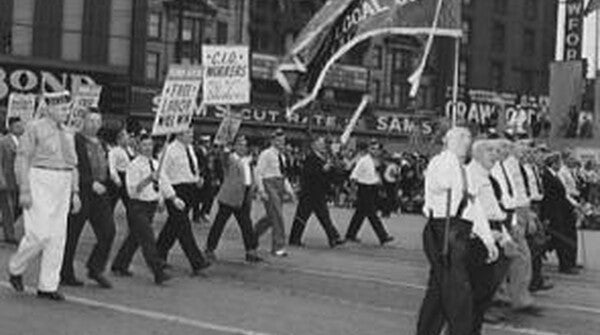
(178, 100)
(21, 106)
(226, 75)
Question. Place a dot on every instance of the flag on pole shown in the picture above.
(593, 5)
(342, 24)
(352, 124)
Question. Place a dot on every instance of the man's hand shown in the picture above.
(262, 195)
(98, 188)
(118, 182)
(200, 182)
(25, 200)
(75, 203)
(493, 253)
(178, 203)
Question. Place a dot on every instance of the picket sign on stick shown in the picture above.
(350, 127)
(21, 106)
(228, 128)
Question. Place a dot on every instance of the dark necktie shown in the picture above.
(154, 182)
(510, 189)
(497, 192)
(465, 192)
(190, 161)
(282, 167)
(525, 179)
(537, 180)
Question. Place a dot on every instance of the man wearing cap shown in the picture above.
(367, 177)
(449, 297)
(9, 192)
(181, 173)
(235, 197)
(273, 187)
(47, 179)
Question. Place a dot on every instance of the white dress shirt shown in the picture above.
(138, 170)
(176, 168)
(118, 160)
(365, 172)
(246, 166)
(442, 174)
(514, 183)
(15, 139)
(267, 165)
(533, 179)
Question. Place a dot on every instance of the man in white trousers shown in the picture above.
(47, 179)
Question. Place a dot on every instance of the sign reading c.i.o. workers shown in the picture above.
(226, 75)
(178, 100)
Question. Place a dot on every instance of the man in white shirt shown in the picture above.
(180, 168)
(9, 190)
(144, 195)
(367, 177)
(449, 297)
(273, 187)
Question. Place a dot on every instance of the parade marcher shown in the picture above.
(182, 179)
(486, 275)
(391, 180)
(273, 188)
(200, 210)
(235, 197)
(95, 205)
(449, 297)
(118, 160)
(559, 209)
(143, 187)
(367, 177)
(508, 172)
(9, 190)
(315, 181)
(47, 179)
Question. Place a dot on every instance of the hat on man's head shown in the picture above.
(57, 98)
(205, 138)
(278, 133)
(551, 158)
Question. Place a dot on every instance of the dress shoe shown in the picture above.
(74, 282)
(297, 244)
(541, 287)
(11, 241)
(500, 304)
(100, 279)
(16, 282)
(121, 272)
(280, 253)
(198, 271)
(161, 277)
(571, 271)
(529, 310)
(336, 242)
(54, 296)
(387, 240)
(353, 239)
(492, 319)
(253, 258)
(579, 267)
(210, 255)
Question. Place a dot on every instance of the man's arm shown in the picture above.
(23, 159)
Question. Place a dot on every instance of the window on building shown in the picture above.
(154, 25)
(466, 2)
(188, 30)
(397, 60)
(497, 75)
(152, 65)
(377, 61)
(222, 31)
(396, 94)
(500, 6)
(466, 30)
(528, 42)
(531, 9)
(408, 60)
(498, 37)
(5, 41)
(463, 72)
(376, 91)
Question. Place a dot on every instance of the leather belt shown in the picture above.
(53, 168)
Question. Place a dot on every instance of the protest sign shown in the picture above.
(84, 97)
(178, 100)
(21, 106)
(226, 75)
(228, 128)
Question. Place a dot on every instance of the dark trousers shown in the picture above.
(9, 206)
(139, 218)
(96, 209)
(115, 192)
(178, 228)
(537, 253)
(242, 216)
(564, 241)
(307, 205)
(449, 297)
(366, 207)
(204, 200)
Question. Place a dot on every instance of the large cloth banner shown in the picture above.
(178, 100)
(21, 106)
(226, 75)
(566, 87)
(342, 24)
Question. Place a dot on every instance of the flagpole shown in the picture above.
(455, 81)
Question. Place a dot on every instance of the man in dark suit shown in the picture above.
(559, 212)
(235, 197)
(315, 180)
(8, 184)
(95, 205)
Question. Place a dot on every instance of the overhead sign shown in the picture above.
(21, 106)
(573, 29)
(178, 99)
(226, 75)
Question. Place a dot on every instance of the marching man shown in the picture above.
(48, 183)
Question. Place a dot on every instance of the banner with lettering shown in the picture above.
(342, 24)
(178, 99)
(21, 106)
(226, 74)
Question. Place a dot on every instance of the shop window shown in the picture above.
(154, 25)
(152, 65)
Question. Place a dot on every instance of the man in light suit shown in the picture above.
(235, 197)
(8, 184)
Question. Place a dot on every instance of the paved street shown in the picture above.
(356, 289)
